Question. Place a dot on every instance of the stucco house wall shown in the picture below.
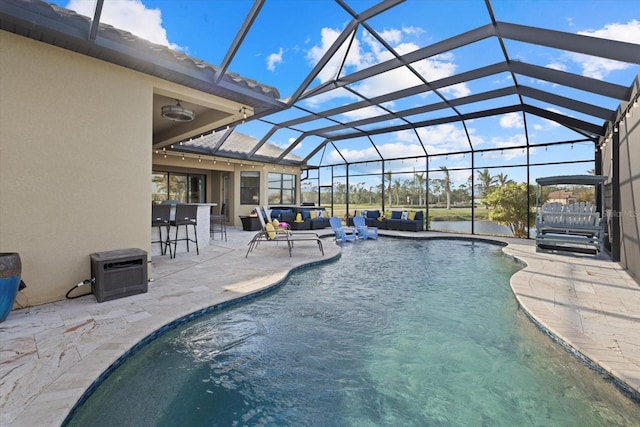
(75, 162)
(624, 151)
(629, 150)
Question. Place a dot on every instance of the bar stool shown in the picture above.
(185, 215)
(161, 218)
(222, 219)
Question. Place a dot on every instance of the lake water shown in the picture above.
(481, 227)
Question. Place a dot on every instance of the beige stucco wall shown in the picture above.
(75, 162)
(630, 190)
(628, 224)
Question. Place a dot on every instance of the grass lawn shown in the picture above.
(435, 214)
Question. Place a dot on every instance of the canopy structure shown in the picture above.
(572, 179)
(390, 80)
(357, 116)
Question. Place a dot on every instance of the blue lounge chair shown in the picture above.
(362, 230)
(342, 234)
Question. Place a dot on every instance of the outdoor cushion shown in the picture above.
(373, 214)
(396, 215)
(306, 215)
(271, 232)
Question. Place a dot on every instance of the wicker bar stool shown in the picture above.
(186, 215)
(161, 218)
(221, 219)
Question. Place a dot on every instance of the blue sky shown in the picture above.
(288, 38)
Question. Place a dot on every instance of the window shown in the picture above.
(249, 188)
(282, 188)
(184, 188)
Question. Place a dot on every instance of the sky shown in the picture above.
(289, 37)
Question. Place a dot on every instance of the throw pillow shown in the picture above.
(276, 224)
(363, 213)
(313, 214)
(271, 232)
(411, 216)
(299, 217)
(319, 213)
(404, 215)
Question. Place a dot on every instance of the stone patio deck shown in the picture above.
(50, 354)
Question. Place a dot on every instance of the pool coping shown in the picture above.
(56, 399)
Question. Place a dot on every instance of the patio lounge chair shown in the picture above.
(268, 233)
(342, 234)
(281, 227)
(362, 230)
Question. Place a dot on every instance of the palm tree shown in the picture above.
(503, 179)
(436, 184)
(396, 188)
(387, 177)
(420, 183)
(447, 185)
(485, 182)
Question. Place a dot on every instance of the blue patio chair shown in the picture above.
(362, 230)
(342, 234)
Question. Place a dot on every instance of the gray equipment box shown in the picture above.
(118, 273)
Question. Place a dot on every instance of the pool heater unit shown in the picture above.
(118, 273)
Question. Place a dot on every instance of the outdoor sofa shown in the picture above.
(406, 220)
(310, 217)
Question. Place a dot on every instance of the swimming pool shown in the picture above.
(396, 332)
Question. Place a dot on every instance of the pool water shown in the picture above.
(396, 332)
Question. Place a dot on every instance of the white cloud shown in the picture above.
(511, 121)
(415, 31)
(508, 153)
(557, 66)
(441, 138)
(273, 59)
(599, 68)
(328, 37)
(366, 51)
(391, 36)
(131, 16)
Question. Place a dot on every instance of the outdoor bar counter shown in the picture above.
(202, 230)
